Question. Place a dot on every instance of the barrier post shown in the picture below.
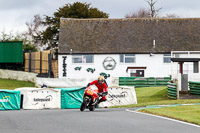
(49, 64)
(29, 61)
(40, 62)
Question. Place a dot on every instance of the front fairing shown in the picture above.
(92, 92)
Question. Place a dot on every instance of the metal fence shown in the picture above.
(194, 88)
(41, 63)
(172, 91)
(143, 82)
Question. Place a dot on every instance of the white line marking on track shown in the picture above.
(162, 117)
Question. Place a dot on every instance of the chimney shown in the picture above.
(154, 43)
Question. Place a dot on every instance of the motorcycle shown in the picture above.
(91, 97)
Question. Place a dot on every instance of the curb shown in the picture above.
(163, 106)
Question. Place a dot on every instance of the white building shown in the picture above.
(132, 65)
(123, 47)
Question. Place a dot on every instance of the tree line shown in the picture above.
(44, 31)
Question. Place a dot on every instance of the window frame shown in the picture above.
(125, 56)
(83, 58)
(166, 56)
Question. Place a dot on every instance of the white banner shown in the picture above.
(40, 98)
(120, 95)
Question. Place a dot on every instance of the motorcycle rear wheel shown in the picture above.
(92, 108)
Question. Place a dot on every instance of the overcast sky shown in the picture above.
(15, 13)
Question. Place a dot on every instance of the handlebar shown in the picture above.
(102, 94)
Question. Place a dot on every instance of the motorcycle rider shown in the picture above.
(102, 87)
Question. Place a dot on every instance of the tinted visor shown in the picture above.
(100, 81)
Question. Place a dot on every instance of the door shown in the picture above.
(139, 73)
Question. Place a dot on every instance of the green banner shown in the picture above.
(71, 97)
(9, 100)
(11, 52)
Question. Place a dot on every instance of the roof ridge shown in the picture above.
(127, 19)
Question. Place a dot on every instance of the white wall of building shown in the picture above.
(187, 68)
(154, 66)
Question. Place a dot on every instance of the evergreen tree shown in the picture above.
(76, 10)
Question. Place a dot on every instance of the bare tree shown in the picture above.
(171, 15)
(153, 10)
(151, 13)
(34, 27)
(141, 13)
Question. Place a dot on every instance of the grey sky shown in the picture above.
(14, 13)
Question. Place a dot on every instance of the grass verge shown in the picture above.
(12, 84)
(155, 96)
(158, 96)
(189, 113)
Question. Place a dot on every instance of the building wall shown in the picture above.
(154, 66)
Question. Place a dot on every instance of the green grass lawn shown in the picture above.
(189, 113)
(158, 96)
(155, 96)
(12, 84)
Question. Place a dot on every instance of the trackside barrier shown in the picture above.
(172, 91)
(143, 82)
(48, 98)
(117, 95)
(71, 97)
(194, 88)
(9, 99)
(120, 95)
(40, 98)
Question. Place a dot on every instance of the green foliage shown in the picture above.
(79, 10)
(29, 47)
(76, 10)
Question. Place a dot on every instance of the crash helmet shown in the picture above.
(100, 80)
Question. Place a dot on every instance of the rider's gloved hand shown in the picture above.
(100, 94)
(105, 93)
(88, 84)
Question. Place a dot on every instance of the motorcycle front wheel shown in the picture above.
(83, 105)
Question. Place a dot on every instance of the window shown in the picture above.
(133, 73)
(77, 58)
(167, 58)
(127, 58)
(82, 58)
(88, 58)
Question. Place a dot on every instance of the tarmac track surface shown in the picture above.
(99, 121)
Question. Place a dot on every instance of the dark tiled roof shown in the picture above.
(129, 35)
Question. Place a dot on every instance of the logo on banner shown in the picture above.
(46, 99)
(117, 97)
(64, 66)
(71, 101)
(5, 99)
(121, 95)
